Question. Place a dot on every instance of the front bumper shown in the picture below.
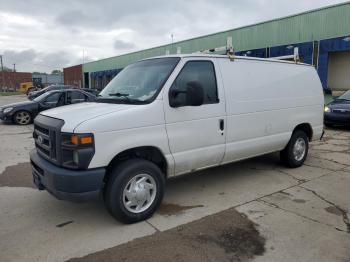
(6, 117)
(66, 184)
(337, 119)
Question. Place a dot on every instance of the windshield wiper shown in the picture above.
(119, 94)
(120, 98)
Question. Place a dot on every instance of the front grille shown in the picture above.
(46, 136)
(342, 111)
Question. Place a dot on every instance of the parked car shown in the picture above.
(34, 94)
(91, 90)
(166, 116)
(23, 113)
(337, 112)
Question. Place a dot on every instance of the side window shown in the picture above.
(203, 73)
(76, 97)
(53, 99)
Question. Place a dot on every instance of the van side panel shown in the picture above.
(265, 101)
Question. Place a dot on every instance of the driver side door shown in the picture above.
(52, 101)
(196, 134)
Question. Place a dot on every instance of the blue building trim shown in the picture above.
(305, 51)
(261, 53)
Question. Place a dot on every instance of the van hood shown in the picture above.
(73, 115)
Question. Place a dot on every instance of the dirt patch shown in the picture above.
(19, 175)
(173, 209)
(333, 210)
(226, 236)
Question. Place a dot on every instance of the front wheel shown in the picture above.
(22, 118)
(134, 190)
(295, 153)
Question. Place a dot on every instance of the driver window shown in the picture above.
(53, 99)
(75, 97)
(201, 72)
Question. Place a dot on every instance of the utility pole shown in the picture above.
(172, 42)
(14, 76)
(2, 74)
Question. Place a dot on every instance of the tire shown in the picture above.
(29, 90)
(22, 118)
(292, 156)
(329, 125)
(129, 186)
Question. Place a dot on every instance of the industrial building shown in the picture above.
(73, 75)
(48, 79)
(10, 80)
(322, 37)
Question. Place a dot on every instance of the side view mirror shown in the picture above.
(194, 95)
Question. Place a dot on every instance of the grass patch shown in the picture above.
(10, 93)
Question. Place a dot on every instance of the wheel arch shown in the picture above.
(305, 127)
(150, 153)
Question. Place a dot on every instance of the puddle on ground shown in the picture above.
(173, 209)
(225, 236)
(333, 210)
(19, 175)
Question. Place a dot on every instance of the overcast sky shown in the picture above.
(41, 35)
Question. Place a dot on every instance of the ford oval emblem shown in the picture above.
(40, 139)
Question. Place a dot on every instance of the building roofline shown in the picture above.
(228, 30)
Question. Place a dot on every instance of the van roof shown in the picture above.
(227, 57)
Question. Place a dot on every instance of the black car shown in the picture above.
(90, 90)
(337, 112)
(23, 113)
(37, 93)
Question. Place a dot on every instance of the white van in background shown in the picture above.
(171, 115)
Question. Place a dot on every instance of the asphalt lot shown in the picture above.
(214, 215)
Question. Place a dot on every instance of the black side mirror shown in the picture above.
(194, 95)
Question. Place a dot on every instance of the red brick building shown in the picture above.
(73, 75)
(14, 79)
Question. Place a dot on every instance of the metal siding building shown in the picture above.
(318, 33)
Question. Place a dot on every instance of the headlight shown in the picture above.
(7, 110)
(77, 150)
(327, 109)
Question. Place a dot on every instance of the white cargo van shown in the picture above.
(171, 115)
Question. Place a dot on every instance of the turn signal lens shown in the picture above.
(86, 140)
(74, 139)
(81, 140)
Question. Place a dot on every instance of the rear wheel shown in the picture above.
(134, 190)
(22, 118)
(295, 153)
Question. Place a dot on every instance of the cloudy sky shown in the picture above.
(41, 35)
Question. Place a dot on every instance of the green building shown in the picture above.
(322, 37)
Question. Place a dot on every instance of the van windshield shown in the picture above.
(139, 83)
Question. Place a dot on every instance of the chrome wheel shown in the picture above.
(22, 118)
(299, 149)
(139, 193)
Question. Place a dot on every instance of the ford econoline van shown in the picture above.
(166, 116)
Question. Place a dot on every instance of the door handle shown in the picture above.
(222, 124)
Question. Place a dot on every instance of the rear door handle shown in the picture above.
(222, 124)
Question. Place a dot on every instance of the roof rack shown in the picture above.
(295, 56)
(228, 49)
